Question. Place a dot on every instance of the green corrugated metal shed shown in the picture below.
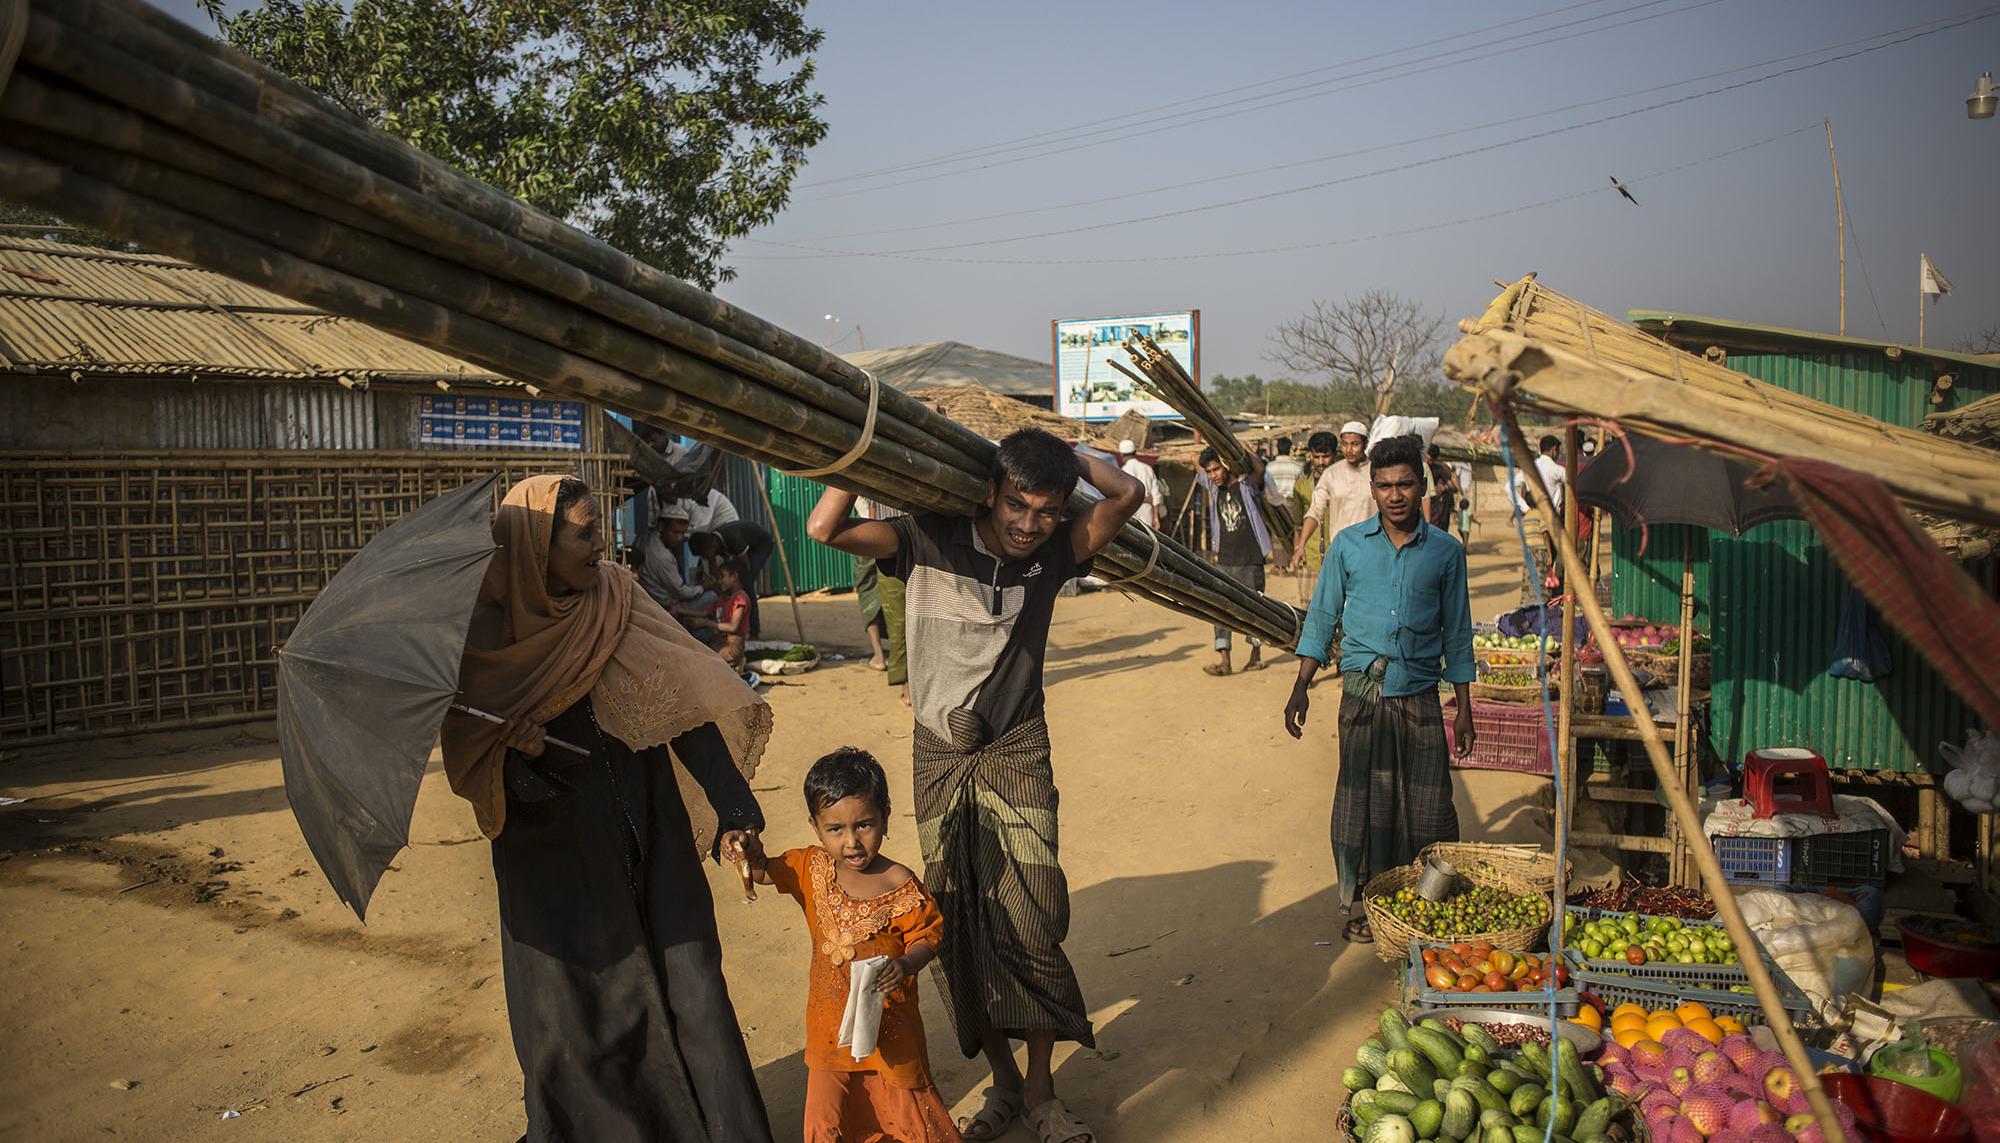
(1775, 592)
(814, 565)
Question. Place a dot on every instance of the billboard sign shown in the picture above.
(1088, 388)
(499, 422)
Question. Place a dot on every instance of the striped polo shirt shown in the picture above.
(977, 625)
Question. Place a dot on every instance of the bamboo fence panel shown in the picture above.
(153, 590)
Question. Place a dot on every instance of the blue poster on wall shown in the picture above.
(499, 422)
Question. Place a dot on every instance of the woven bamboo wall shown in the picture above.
(146, 591)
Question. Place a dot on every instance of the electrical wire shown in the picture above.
(1863, 260)
(1415, 164)
(1140, 113)
(1045, 148)
(1392, 145)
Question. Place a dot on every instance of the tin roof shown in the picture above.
(1685, 329)
(90, 312)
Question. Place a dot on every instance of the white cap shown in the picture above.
(1355, 427)
(673, 511)
(1127, 448)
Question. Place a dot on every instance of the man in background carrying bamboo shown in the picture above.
(979, 599)
(1397, 586)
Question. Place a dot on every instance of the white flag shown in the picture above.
(1930, 280)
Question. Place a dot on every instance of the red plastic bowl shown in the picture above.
(1943, 958)
(1891, 1112)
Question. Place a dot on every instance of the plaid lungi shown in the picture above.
(987, 822)
(1393, 796)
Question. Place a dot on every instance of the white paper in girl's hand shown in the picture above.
(862, 1021)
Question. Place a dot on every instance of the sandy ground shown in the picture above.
(169, 952)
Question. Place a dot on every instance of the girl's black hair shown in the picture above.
(849, 772)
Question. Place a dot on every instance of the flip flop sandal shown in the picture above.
(1216, 669)
(1358, 932)
(1053, 1123)
(1255, 665)
(1001, 1109)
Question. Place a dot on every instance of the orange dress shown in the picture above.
(889, 1095)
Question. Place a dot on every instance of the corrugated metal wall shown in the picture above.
(1649, 586)
(1777, 595)
(814, 565)
(236, 415)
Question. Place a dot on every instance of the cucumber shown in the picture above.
(1440, 1088)
(1474, 1034)
(1389, 1082)
(1373, 1055)
(1477, 1054)
(1494, 1118)
(1443, 1029)
(1525, 1134)
(1438, 1049)
(1536, 1056)
(1362, 1103)
(1461, 1113)
(1495, 1133)
(1570, 1066)
(1596, 1119)
(1399, 1102)
(1426, 1118)
(1390, 1129)
(1395, 1029)
(1358, 1079)
(1481, 1091)
(1415, 1072)
(1525, 1099)
(1504, 1080)
(1558, 1110)
(1468, 1068)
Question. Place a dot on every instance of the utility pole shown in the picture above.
(1840, 224)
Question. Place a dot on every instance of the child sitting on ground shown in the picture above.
(859, 904)
(728, 617)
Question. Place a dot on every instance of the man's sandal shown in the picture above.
(1218, 670)
(1255, 665)
(1359, 932)
(995, 1116)
(1053, 1123)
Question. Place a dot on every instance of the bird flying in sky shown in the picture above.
(1623, 191)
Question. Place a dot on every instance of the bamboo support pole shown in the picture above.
(1566, 708)
(1499, 386)
(1680, 862)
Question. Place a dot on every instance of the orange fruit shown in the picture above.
(1730, 1025)
(1628, 1020)
(1658, 1026)
(1627, 1008)
(1628, 1037)
(1707, 1029)
(1692, 1011)
(1588, 1017)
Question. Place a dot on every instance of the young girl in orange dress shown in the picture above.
(860, 904)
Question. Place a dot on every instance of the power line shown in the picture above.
(1419, 163)
(1863, 259)
(1455, 131)
(1045, 147)
(1593, 189)
(1145, 111)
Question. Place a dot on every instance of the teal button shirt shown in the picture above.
(1407, 605)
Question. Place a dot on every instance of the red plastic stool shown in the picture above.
(1787, 780)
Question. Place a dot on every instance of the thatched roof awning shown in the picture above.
(1976, 422)
(1549, 353)
(92, 313)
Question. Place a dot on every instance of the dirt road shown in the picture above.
(169, 953)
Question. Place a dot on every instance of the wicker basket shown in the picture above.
(1393, 937)
(1530, 864)
(1496, 692)
(1668, 667)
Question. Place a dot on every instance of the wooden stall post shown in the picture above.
(1566, 680)
(1680, 862)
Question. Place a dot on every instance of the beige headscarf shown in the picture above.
(648, 680)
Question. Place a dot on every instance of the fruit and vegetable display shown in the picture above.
(1513, 650)
(800, 653)
(1453, 1081)
(1632, 632)
(1479, 909)
(1673, 645)
(1510, 679)
(1479, 967)
(1636, 939)
(1635, 896)
(1695, 1078)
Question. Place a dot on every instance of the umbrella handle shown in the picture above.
(489, 716)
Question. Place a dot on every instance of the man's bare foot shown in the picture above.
(1255, 663)
(903, 693)
(878, 663)
(1219, 668)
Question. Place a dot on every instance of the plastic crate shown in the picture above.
(1766, 860)
(1654, 986)
(1508, 736)
(1860, 858)
(1419, 992)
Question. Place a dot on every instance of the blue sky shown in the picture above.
(1748, 235)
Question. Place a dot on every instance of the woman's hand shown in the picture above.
(522, 735)
(744, 847)
(892, 976)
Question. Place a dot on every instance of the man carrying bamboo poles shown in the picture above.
(1397, 586)
(980, 594)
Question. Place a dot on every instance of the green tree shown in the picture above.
(27, 222)
(1234, 394)
(664, 127)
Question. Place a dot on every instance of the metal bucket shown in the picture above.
(1435, 885)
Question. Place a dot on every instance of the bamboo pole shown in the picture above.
(1165, 379)
(1680, 862)
(1566, 699)
(784, 561)
(1499, 387)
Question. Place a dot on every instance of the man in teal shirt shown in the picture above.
(1397, 586)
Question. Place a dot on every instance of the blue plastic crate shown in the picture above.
(1417, 990)
(1765, 860)
(1655, 985)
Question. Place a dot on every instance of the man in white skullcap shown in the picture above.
(1153, 509)
(1341, 497)
(661, 574)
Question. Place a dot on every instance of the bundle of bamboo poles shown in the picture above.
(1163, 377)
(121, 117)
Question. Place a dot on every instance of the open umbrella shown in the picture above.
(1680, 484)
(366, 678)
